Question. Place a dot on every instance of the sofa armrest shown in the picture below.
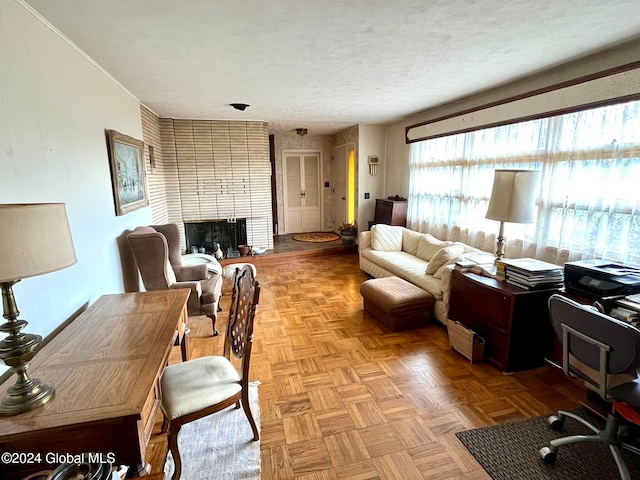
(365, 240)
(445, 284)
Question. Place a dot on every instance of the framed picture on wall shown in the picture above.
(128, 177)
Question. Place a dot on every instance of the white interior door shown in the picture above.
(302, 193)
(293, 193)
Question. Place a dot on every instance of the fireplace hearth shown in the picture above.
(228, 233)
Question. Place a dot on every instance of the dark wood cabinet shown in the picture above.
(514, 322)
(390, 212)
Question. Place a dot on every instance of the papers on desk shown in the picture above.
(627, 310)
(634, 298)
(486, 270)
(477, 262)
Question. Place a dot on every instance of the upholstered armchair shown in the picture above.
(153, 253)
(179, 261)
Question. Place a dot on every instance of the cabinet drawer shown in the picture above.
(491, 307)
(148, 414)
(496, 340)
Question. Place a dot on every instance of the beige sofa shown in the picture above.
(418, 258)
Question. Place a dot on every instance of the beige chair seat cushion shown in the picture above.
(191, 386)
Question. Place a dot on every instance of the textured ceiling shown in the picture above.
(329, 64)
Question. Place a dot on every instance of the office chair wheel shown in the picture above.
(556, 422)
(548, 455)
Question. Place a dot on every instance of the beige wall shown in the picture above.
(397, 178)
(372, 141)
(56, 106)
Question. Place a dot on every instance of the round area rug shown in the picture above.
(316, 237)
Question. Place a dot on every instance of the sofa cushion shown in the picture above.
(410, 241)
(444, 256)
(405, 266)
(429, 245)
(396, 261)
(386, 238)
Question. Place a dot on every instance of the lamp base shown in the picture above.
(16, 351)
(501, 243)
(25, 397)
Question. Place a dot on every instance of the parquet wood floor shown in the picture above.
(340, 398)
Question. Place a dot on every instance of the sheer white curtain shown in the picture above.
(589, 193)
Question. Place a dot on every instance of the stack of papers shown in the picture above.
(627, 309)
(532, 274)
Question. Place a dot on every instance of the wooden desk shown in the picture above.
(514, 322)
(105, 367)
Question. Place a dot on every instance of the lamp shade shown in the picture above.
(513, 196)
(34, 239)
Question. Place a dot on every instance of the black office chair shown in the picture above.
(596, 348)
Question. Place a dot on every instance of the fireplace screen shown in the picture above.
(206, 234)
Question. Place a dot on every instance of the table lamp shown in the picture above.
(512, 200)
(34, 239)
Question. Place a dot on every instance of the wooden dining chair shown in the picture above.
(200, 387)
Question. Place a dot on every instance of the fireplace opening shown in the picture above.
(226, 233)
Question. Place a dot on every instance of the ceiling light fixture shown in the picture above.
(239, 106)
(301, 131)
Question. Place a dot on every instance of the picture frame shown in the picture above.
(128, 172)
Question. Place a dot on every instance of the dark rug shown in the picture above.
(510, 451)
(316, 237)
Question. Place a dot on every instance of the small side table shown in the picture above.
(514, 322)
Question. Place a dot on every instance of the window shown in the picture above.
(589, 194)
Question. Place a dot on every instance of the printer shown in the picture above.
(599, 279)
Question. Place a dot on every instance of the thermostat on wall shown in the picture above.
(373, 164)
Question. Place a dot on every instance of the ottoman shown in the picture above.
(396, 303)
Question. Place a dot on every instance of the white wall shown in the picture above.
(614, 59)
(397, 171)
(56, 106)
(371, 142)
